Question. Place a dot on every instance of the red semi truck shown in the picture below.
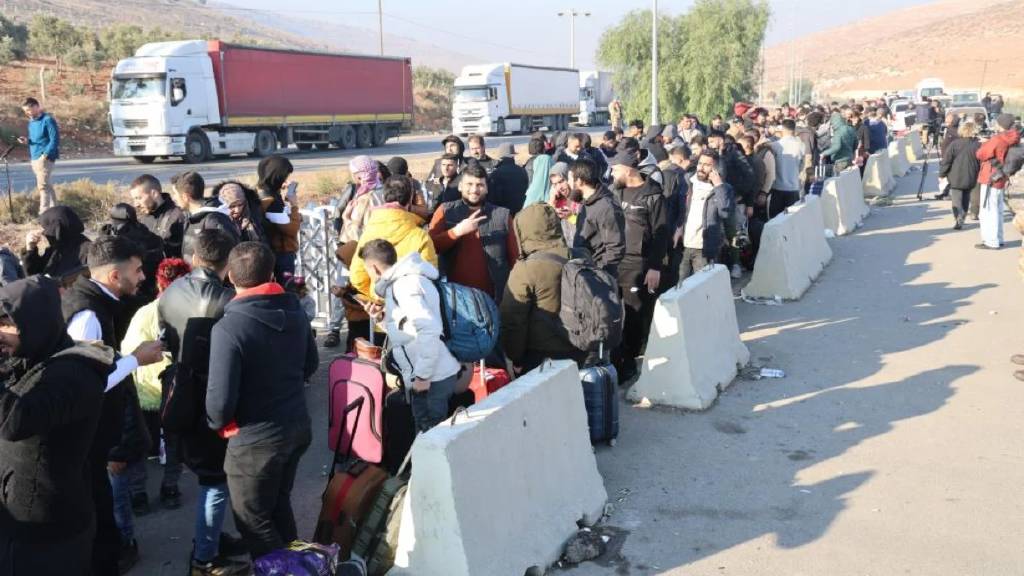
(197, 99)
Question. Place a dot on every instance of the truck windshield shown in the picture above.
(145, 88)
(929, 92)
(968, 98)
(472, 94)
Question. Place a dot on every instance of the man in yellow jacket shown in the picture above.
(393, 222)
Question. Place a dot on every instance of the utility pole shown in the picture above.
(760, 90)
(380, 24)
(654, 64)
(572, 14)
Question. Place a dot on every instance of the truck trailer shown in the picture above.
(198, 99)
(596, 94)
(505, 97)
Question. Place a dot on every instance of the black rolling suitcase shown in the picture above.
(601, 396)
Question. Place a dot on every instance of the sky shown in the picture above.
(531, 32)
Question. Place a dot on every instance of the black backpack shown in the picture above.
(739, 173)
(591, 309)
(1014, 160)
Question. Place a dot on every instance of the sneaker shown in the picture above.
(332, 340)
(958, 225)
(219, 566)
(140, 504)
(737, 272)
(984, 246)
(170, 497)
(128, 556)
(1019, 375)
(230, 545)
(1017, 359)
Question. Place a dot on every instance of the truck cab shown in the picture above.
(480, 104)
(161, 95)
(929, 88)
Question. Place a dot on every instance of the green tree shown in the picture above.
(13, 40)
(429, 78)
(706, 57)
(122, 40)
(49, 36)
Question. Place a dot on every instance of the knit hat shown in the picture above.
(1005, 121)
(669, 133)
(559, 169)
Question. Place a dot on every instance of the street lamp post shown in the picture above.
(572, 14)
(654, 64)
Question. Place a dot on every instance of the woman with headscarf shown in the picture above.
(368, 194)
(66, 248)
(539, 180)
(281, 216)
(243, 206)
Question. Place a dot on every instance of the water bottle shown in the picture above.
(772, 373)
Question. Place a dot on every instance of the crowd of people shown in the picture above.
(182, 329)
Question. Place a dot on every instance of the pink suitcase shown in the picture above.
(350, 379)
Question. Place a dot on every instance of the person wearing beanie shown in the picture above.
(398, 166)
(508, 181)
(451, 144)
(993, 180)
(281, 217)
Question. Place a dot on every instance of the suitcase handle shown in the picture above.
(356, 405)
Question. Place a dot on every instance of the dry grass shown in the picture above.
(90, 200)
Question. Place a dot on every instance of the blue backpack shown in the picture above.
(471, 321)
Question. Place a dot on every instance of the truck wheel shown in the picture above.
(323, 145)
(144, 159)
(364, 136)
(197, 148)
(380, 134)
(501, 126)
(266, 143)
(347, 137)
(303, 145)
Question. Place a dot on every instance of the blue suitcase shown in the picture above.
(601, 396)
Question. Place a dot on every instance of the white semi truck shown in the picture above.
(504, 97)
(198, 99)
(596, 94)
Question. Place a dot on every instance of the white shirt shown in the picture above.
(790, 152)
(693, 234)
(85, 326)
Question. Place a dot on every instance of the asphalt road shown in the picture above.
(124, 170)
(893, 445)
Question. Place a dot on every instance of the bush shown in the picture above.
(13, 39)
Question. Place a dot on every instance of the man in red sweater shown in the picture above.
(993, 181)
(473, 238)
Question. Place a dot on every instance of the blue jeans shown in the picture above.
(431, 407)
(211, 505)
(120, 486)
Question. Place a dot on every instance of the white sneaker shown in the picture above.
(737, 272)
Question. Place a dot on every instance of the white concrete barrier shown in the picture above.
(916, 145)
(875, 181)
(909, 150)
(898, 157)
(503, 488)
(885, 169)
(842, 202)
(793, 253)
(694, 349)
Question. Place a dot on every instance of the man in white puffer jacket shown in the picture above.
(412, 319)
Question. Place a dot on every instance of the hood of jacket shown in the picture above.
(836, 121)
(276, 311)
(209, 205)
(61, 224)
(411, 264)
(392, 223)
(35, 307)
(537, 228)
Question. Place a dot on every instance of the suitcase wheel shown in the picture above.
(611, 443)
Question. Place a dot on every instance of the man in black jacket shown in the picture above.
(445, 187)
(507, 184)
(158, 213)
(187, 311)
(643, 207)
(51, 393)
(203, 213)
(478, 154)
(67, 246)
(262, 352)
(600, 225)
(93, 310)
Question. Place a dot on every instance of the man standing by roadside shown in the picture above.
(791, 156)
(201, 213)
(44, 147)
(159, 213)
(600, 225)
(707, 208)
(643, 207)
(993, 181)
(261, 354)
(445, 187)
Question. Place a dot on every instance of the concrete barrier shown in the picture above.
(916, 145)
(793, 253)
(503, 488)
(694, 349)
(842, 202)
(876, 178)
(898, 157)
(909, 150)
(885, 169)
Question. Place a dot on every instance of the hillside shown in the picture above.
(949, 39)
(210, 19)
